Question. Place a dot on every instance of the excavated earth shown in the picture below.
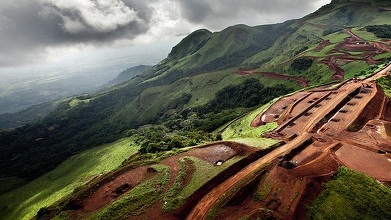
(110, 188)
(323, 128)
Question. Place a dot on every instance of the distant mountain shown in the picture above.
(128, 74)
(29, 115)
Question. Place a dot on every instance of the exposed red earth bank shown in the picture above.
(323, 129)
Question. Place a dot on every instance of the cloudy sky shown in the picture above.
(40, 31)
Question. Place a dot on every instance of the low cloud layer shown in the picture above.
(29, 28)
(90, 16)
(221, 12)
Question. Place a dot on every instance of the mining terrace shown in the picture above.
(322, 129)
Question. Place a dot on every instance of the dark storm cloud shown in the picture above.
(196, 11)
(223, 12)
(29, 27)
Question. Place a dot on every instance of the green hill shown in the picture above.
(128, 74)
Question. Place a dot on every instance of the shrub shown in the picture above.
(302, 64)
(352, 195)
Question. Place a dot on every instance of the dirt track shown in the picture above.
(323, 156)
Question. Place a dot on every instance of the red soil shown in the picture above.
(339, 72)
(300, 116)
(368, 162)
(322, 45)
(107, 193)
(316, 154)
(364, 151)
(352, 44)
(117, 184)
(277, 109)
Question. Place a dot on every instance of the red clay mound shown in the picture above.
(108, 192)
(322, 45)
(359, 47)
(324, 164)
(368, 162)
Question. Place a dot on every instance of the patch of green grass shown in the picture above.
(358, 53)
(336, 37)
(384, 19)
(352, 195)
(241, 128)
(382, 56)
(24, 202)
(262, 143)
(241, 131)
(385, 83)
(137, 200)
(263, 191)
(361, 69)
(318, 74)
(76, 102)
(156, 100)
(355, 69)
(204, 171)
(363, 34)
(205, 86)
(172, 199)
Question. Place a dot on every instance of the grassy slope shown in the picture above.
(352, 196)
(355, 13)
(7, 184)
(241, 131)
(202, 89)
(203, 172)
(310, 34)
(385, 83)
(24, 202)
